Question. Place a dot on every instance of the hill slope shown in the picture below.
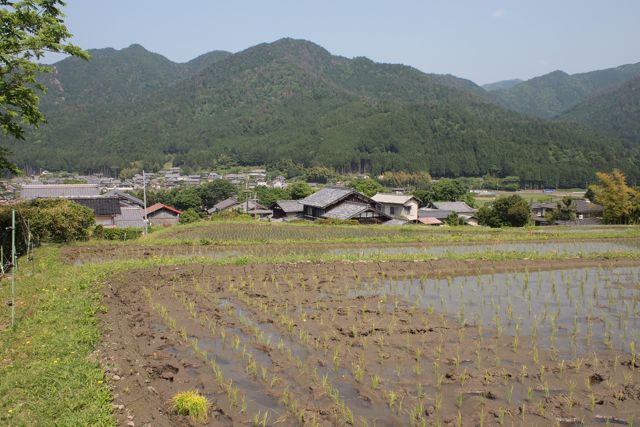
(549, 95)
(616, 112)
(292, 99)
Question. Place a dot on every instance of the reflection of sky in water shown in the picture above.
(601, 303)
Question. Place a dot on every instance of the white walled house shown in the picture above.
(398, 205)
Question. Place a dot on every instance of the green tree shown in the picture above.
(28, 30)
(565, 211)
(319, 174)
(447, 190)
(216, 191)
(621, 202)
(188, 198)
(269, 196)
(366, 186)
(454, 219)
(189, 216)
(511, 211)
(49, 220)
(299, 190)
(489, 217)
(423, 195)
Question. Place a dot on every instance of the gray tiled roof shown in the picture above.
(346, 211)
(290, 206)
(433, 213)
(48, 191)
(126, 196)
(130, 217)
(584, 206)
(326, 197)
(226, 203)
(545, 205)
(100, 205)
(453, 206)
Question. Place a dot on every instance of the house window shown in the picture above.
(392, 210)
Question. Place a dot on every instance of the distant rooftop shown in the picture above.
(48, 191)
(392, 198)
(453, 206)
(326, 196)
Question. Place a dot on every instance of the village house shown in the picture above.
(131, 210)
(288, 209)
(587, 213)
(250, 207)
(442, 210)
(342, 204)
(105, 209)
(161, 214)
(398, 205)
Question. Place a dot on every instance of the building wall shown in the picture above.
(130, 217)
(163, 218)
(106, 221)
(408, 210)
(164, 222)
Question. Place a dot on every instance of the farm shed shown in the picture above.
(161, 214)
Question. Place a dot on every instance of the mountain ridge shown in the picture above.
(553, 93)
(292, 100)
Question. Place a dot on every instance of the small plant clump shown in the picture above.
(192, 404)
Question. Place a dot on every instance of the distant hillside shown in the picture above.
(292, 99)
(550, 95)
(504, 84)
(616, 112)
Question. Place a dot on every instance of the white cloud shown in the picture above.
(499, 13)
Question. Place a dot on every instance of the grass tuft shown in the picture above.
(191, 403)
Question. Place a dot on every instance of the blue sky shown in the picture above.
(482, 40)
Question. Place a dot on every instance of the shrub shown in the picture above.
(49, 220)
(191, 403)
(189, 216)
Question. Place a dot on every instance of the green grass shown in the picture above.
(47, 376)
(191, 403)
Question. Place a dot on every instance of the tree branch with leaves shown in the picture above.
(29, 29)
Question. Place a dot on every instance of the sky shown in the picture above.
(481, 40)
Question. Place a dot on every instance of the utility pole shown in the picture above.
(144, 193)
(13, 269)
(247, 194)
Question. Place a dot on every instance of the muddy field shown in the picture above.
(304, 344)
(104, 253)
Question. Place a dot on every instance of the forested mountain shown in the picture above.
(293, 100)
(503, 84)
(550, 95)
(616, 112)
